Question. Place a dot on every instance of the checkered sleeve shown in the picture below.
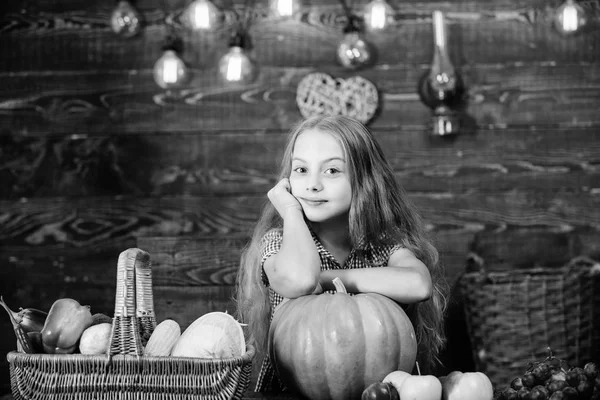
(380, 255)
(270, 244)
(393, 248)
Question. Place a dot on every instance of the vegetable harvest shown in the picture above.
(66, 321)
(30, 319)
(23, 341)
(332, 346)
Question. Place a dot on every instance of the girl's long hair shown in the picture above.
(379, 204)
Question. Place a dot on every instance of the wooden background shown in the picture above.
(94, 159)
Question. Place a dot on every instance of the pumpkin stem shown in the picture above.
(418, 369)
(339, 285)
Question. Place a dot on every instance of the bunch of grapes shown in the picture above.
(554, 379)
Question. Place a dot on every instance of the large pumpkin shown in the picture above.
(332, 346)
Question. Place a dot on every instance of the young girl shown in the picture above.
(337, 210)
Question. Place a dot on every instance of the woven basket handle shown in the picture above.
(134, 319)
(585, 261)
(475, 263)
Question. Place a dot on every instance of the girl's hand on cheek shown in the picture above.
(282, 198)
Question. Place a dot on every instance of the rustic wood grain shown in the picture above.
(184, 261)
(53, 224)
(84, 103)
(525, 248)
(66, 38)
(170, 5)
(180, 271)
(95, 159)
(185, 304)
(37, 278)
(227, 162)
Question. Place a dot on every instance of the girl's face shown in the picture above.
(320, 178)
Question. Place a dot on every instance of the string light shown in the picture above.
(170, 71)
(378, 15)
(570, 18)
(201, 15)
(354, 51)
(236, 66)
(125, 20)
(284, 8)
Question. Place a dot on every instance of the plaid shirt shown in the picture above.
(271, 243)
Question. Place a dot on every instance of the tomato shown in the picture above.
(467, 386)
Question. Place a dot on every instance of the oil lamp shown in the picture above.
(125, 20)
(441, 87)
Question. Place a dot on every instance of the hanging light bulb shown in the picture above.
(378, 14)
(284, 8)
(570, 18)
(170, 71)
(236, 67)
(125, 20)
(354, 51)
(201, 15)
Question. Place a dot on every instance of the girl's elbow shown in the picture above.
(425, 290)
(299, 286)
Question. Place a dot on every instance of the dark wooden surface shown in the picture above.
(94, 159)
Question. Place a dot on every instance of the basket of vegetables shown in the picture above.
(69, 353)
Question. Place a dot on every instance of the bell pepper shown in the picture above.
(65, 323)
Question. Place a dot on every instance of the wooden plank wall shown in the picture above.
(94, 160)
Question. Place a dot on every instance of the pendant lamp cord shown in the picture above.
(248, 11)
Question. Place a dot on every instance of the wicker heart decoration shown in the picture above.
(320, 94)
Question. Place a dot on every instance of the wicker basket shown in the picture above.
(124, 373)
(514, 316)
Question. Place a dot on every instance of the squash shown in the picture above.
(163, 338)
(213, 335)
(95, 339)
(333, 346)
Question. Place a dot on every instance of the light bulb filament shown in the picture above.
(570, 19)
(170, 71)
(202, 16)
(378, 16)
(285, 8)
(234, 69)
